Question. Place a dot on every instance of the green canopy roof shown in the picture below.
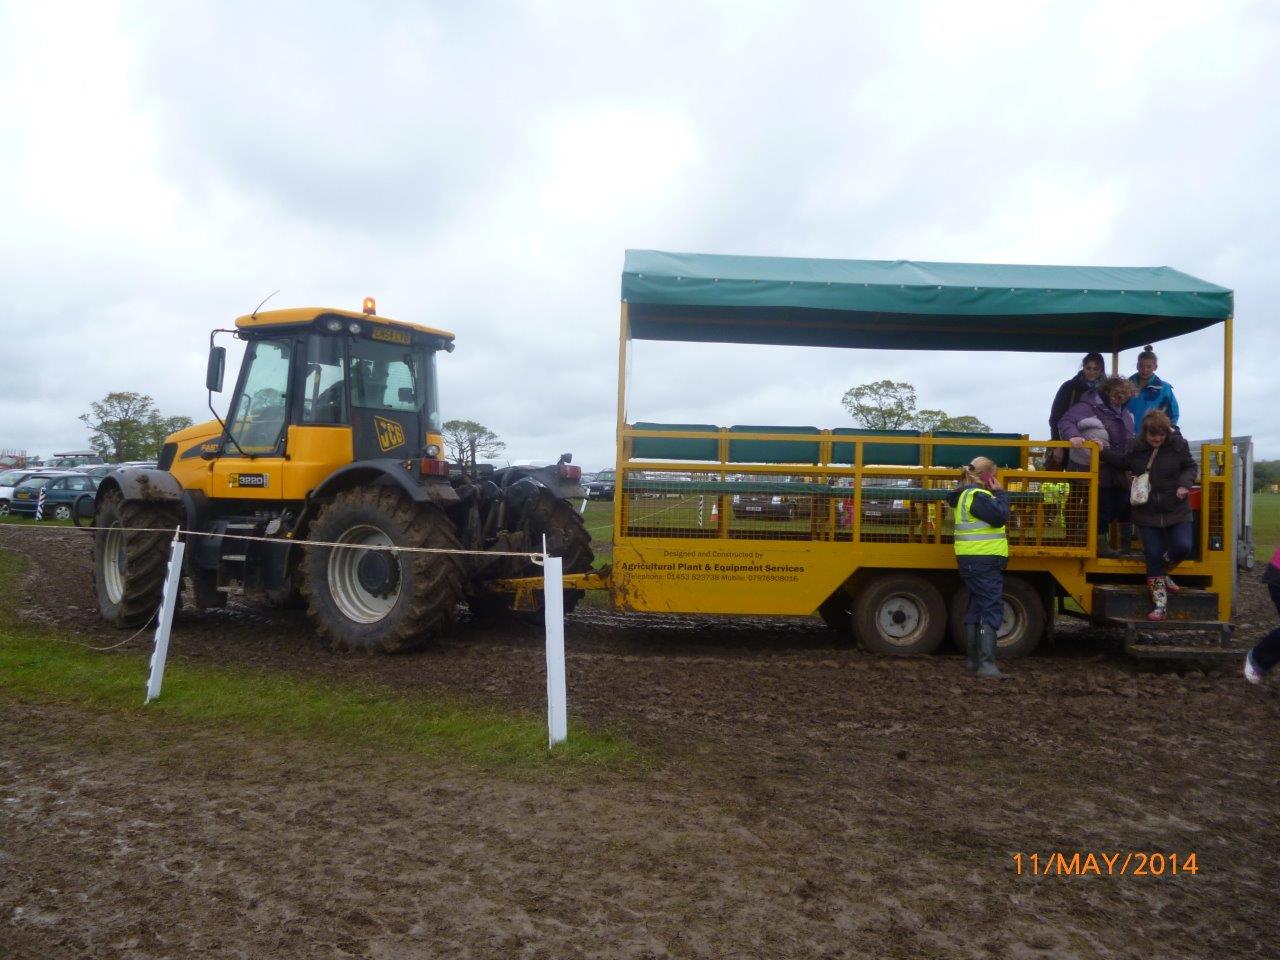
(910, 305)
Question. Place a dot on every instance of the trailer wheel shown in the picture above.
(378, 601)
(1024, 618)
(900, 614)
(129, 566)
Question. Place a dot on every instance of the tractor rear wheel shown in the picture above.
(567, 538)
(129, 565)
(379, 600)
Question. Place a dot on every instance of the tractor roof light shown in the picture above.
(353, 327)
(370, 306)
(334, 326)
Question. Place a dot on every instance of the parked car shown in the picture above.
(772, 506)
(881, 510)
(60, 494)
(601, 488)
(98, 470)
(9, 480)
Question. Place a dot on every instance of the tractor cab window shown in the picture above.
(385, 376)
(258, 416)
(323, 396)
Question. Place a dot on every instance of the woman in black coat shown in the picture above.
(1092, 373)
(1164, 521)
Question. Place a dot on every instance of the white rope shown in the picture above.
(301, 543)
(145, 626)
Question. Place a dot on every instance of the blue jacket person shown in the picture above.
(982, 550)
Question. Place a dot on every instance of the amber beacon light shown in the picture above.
(370, 307)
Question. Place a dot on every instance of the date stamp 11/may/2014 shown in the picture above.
(1132, 863)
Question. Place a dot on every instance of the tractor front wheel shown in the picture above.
(131, 557)
(371, 600)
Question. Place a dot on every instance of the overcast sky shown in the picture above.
(482, 167)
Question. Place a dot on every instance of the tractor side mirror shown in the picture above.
(217, 367)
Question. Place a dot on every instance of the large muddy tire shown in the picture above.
(129, 567)
(900, 614)
(567, 538)
(380, 601)
(1022, 628)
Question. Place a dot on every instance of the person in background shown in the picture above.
(1089, 377)
(1107, 405)
(1266, 654)
(1152, 392)
(1164, 521)
(982, 550)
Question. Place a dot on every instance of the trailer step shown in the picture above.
(1182, 639)
(1124, 602)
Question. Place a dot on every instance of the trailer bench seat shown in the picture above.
(948, 455)
(775, 451)
(880, 454)
(675, 448)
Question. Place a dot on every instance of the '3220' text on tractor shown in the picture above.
(333, 435)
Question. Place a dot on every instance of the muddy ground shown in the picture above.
(807, 800)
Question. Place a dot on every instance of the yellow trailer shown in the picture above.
(791, 520)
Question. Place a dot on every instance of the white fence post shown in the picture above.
(171, 581)
(553, 604)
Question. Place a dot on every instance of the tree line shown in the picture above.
(891, 405)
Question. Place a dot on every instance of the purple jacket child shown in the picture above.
(1119, 424)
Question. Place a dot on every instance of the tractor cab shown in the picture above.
(319, 390)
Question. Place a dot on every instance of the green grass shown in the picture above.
(37, 665)
(1266, 525)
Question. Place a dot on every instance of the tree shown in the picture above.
(127, 426)
(890, 405)
(963, 424)
(883, 405)
(1265, 473)
(159, 427)
(467, 440)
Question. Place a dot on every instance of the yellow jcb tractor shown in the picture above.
(333, 434)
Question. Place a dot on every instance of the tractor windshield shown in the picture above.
(258, 415)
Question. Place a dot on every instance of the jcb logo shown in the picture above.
(390, 433)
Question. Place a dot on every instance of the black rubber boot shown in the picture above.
(971, 647)
(987, 652)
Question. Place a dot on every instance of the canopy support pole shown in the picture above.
(1226, 380)
(1115, 355)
